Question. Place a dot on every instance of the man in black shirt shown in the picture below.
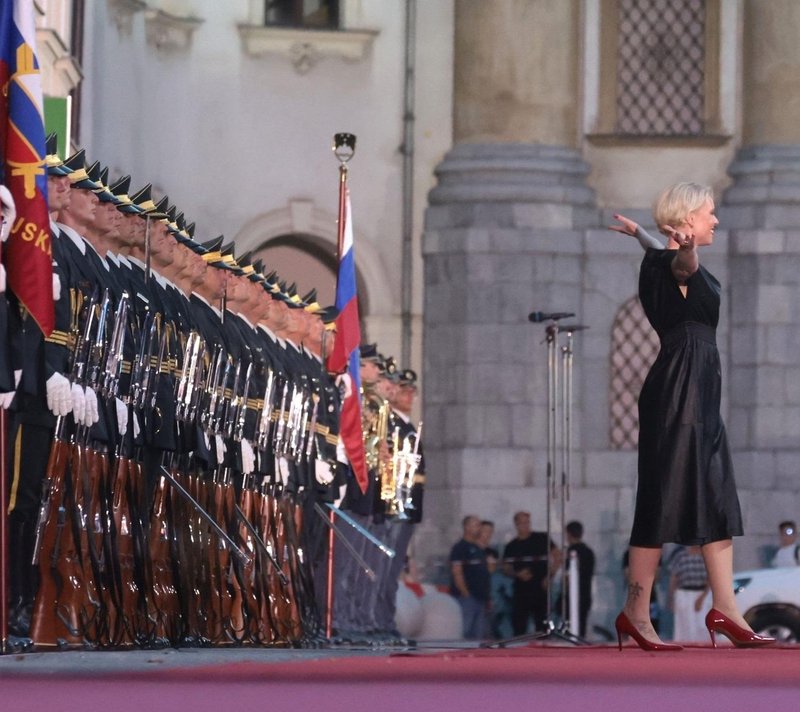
(531, 561)
(470, 579)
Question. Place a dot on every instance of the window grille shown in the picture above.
(309, 14)
(661, 73)
(634, 347)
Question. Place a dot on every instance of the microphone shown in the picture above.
(537, 317)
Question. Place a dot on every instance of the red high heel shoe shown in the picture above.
(624, 625)
(717, 622)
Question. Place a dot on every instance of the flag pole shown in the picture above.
(344, 146)
(4, 553)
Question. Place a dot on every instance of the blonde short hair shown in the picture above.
(676, 202)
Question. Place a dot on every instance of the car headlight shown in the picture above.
(739, 584)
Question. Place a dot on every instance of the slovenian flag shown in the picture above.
(27, 254)
(346, 353)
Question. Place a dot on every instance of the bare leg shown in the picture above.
(718, 556)
(642, 567)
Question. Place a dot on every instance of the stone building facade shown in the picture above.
(534, 121)
(564, 113)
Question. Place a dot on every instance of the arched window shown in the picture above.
(310, 263)
(634, 347)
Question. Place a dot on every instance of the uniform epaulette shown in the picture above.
(62, 338)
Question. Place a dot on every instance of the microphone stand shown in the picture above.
(552, 631)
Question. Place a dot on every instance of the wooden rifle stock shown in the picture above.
(283, 513)
(53, 536)
(128, 590)
(164, 605)
(244, 576)
(88, 520)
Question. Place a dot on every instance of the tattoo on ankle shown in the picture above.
(634, 589)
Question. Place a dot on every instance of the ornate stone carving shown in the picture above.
(304, 48)
(168, 32)
(122, 12)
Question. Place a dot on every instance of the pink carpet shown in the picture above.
(538, 677)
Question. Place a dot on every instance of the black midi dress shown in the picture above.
(686, 490)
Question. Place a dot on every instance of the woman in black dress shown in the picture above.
(686, 491)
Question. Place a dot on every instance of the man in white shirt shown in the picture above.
(788, 553)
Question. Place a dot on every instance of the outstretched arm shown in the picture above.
(686, 262)
(633, 229)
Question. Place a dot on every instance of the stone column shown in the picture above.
(516, 71)
(503, 237)
(762, 211)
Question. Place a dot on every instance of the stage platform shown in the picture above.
(433, 676)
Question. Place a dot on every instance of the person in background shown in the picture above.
(531, 560)
(788, 553)
(485, 540)
(688, 594)
(471, 582)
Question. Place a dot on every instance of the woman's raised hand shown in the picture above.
(685, 240)
(626, 226)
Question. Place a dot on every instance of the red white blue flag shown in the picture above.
(346, 353)
(27, 254)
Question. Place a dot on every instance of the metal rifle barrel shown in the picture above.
(368, 535)
(359, 559)
(220, 532)
(259, 541)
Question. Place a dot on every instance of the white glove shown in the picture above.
(2, 279)
(56, 287)
(59, 398)
(345, 384)
(322, 472)
(136, 427)
(122, 416)
(340, 497)
(78, 404)
(219, 448)
(6, 398)
(282, 466)
(92, 412)
(9, 212)
(248, 458)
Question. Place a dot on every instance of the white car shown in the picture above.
(770, 601)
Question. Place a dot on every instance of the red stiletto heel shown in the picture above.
(624, 625)
(718, 622)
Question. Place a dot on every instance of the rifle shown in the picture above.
(117, 519)
(225, 542)
(163, 603)
(283, 527)
(275, 589)
(280, 431)
(211, 389)
(312, 429)
(232, 404)
(89, 510)
(55, 618)
(191, 373)
(221, 400)
(140, 372)
(265, 421)
(243, 579)
(299, 435)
